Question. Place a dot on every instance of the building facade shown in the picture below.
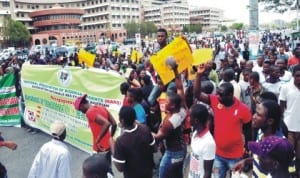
(103, 18)
(209, 17)
(172, 15)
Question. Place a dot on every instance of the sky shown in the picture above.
(237, 9)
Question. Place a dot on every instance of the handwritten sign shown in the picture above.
(180, 50)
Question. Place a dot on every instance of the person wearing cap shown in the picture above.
(96, 166)
(99, 120)
(275, 154)
(53, 159)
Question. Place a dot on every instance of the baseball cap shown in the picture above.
(57, 128)
(78, 101)
(275, 147)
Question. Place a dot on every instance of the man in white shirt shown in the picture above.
(289, 98)
(53, 159)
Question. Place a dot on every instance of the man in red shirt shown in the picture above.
(294, 60)
(229, 116)
(99, 120)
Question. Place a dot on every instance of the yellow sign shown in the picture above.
(136, 56)
(180, 50)
(201, 56)
(86, 57)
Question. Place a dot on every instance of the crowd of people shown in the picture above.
(227, 116)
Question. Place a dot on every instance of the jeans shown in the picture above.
(171, 165)
(222, 165)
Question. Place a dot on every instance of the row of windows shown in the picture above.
(124, 8)
(116, 25)
(99, 9)
(124, 17)
(127, 1)
(56, 17)
(93, 19)
(36, 6)
(5, 4)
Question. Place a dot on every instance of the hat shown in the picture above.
(57, 128)
(275, 147)
(78, 101)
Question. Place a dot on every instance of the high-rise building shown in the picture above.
(169, 14)
(209, 17)
(102, 18)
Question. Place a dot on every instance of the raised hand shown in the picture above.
(201, 69)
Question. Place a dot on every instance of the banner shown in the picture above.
(180, 50)
(50, 92)
(9, 102)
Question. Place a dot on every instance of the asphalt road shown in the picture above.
(18, 162)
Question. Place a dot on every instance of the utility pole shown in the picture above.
(253, 14)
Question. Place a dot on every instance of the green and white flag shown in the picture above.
(9, 103)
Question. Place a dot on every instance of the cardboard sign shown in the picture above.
(201, 56)
(180, 50)
(86, 57)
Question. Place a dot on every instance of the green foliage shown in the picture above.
(131, 28)
(145, 28)
(193, 28)
(224, 28)
(237, 26)
(15, 32)
(279, 6)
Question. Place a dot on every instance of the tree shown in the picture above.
(131, 28)
(197, 28)
(147, 28)
(15, 33)
(237, 26)
(224, 28)
(280, 6)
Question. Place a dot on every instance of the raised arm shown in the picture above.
(199, 95)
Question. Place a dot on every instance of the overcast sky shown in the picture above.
(237, 9)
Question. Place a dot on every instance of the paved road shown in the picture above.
(18, 162)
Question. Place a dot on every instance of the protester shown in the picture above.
(290, 105)
(100, 120)
(53, 159)
(133, 150)
(171, 128)
(96, 166)
(8, 144)
(275, 155)
(203, 146)
(227, 131)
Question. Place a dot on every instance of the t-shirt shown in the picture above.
(140, 113)
(291, 94)
(91, 114)
(228, 124)
(134, 149)
(174, 139)
(203, 148)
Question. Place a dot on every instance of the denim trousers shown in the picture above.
(222, 165)
(171, 165)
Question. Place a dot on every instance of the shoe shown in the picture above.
(29, 129)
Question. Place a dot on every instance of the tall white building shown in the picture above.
(105, 15)
(209, 17)
(173, 14)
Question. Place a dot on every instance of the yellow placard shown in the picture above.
(86, 57)
(180, 50)
(203, 55)
(136, 56)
